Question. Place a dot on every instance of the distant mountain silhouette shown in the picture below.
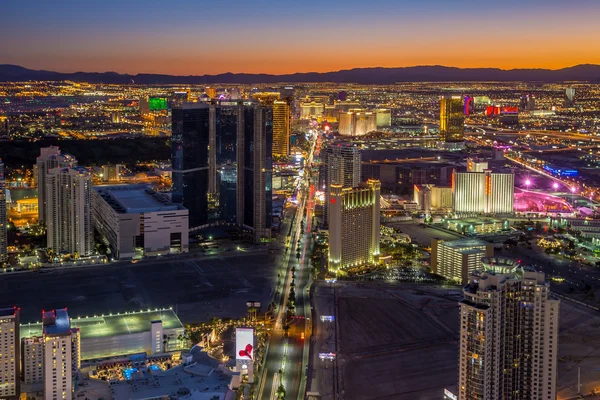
(434, 73)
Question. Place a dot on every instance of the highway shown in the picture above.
(288, 352)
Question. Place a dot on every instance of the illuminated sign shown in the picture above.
(244, 344)
(157, 103)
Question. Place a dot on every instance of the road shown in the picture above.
(288, 353)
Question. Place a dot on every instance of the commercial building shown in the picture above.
(49, 158)
(3, 217)
(210, 92)
(135, 220)
(61, 355)
(508, 334)
(384, 117)
(342, 166)
(456, 259)
(207, 137)
(452, 119)
(357, 122)
(312, 109)
(432, 197)
(476, 225)
(69, 211)
(111, 173)
(483, 192)
(281, 128)
(474, 165)
(10, 359)
(354, 216)
(118, 334)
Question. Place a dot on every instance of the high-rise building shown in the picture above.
(569, 97)
(342, 166)
(10, 354)
(357, 122)
(208, 137)
(354, 225)
(484, 192)
(456, 259)
(311, 109)
(69, 211)
(452, 119)
(527, 102)
(49, 158)
(281, 128)
(61, 355)
(384, 117)
(32, 368)
(266, 98)
(3, 217)
(474, 165)
(508, 334)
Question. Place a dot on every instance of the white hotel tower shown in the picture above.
(484, 192)
(69, 211)
(354, 225)
(508, 334)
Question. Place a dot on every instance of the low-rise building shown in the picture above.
(457, 259)
(136, 221)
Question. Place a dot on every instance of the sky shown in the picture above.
(196, 37)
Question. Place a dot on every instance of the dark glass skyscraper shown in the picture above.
(232, 144)
(189, 160)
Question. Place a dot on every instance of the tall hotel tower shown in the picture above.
(484, 192)
(508, 334)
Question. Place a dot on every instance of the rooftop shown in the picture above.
(465, 243)
(56, 322)
(126, 199)
(112, 324)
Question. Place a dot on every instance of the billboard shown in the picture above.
(244, 344)
(509, 110)
(157, 103)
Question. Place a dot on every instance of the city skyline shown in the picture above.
(277, 38)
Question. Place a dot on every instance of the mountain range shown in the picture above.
(378, 75)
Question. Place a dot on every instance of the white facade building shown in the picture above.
(357, 122)
(136, 220)
(483, 193)
(457, 259)
(48, 159)
(69, 211)
(9, 354)
(508, 334)
(432, 197)
(32, 369)
(354, 225)
(61, 355)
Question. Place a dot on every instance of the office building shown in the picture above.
(357, 122)
(281, 128)
(69, 211)
(137, 221)
(61, 355)
(342, 166)
(354, 225)
(384, 117)
(456, 259)
(508, 334)
(10, 354)
(452, 119)
(3, 217)
(483, 193)
(208, 137)
(111, 173)
(49, 158)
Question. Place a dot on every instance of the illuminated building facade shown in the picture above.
(266, 98)
(508, 334)
(3, 217)
(384, 117)
(211, 92)
(354, 225)
(10, 363)
(357, 122)
(476, 165)
(281, 128)
(432, 197)
(484, 192)
(312, 109)
(111, 173)
(456, 259)
(452, 119)
(69, 211)
(208, 137)
(49, 158)
(342, 166)
(61, 355)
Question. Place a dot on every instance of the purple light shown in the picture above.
(527, 183)
(573, 189)
(555, 185)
